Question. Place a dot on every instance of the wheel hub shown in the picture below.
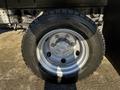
(61, 46)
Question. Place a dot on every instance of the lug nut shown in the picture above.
(52, 44)
(67, 36)
(57, 36)
(72, 44)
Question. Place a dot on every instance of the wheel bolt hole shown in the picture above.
(77, 53)
(49, 54)
(63, 60)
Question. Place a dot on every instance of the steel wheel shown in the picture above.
(62, 51)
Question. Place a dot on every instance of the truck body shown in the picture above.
(12, 4)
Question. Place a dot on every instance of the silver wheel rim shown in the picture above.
(62, 52)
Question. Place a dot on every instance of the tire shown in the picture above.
(67, 21)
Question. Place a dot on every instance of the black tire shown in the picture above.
(62, 18)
